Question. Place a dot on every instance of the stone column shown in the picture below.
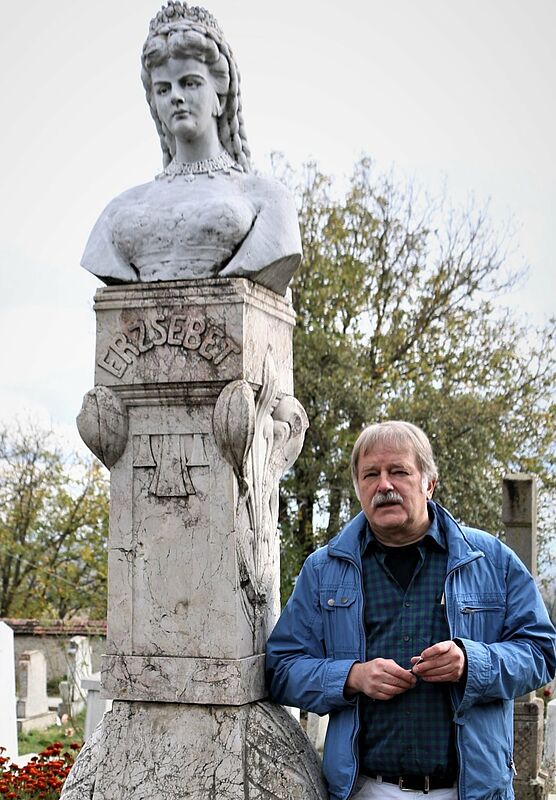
(194, 413)
(519, 515)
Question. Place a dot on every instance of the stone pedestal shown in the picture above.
(193, 412)
(151, 750)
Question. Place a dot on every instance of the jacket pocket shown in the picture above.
(480, 616)
(480, 603)
(339, 615)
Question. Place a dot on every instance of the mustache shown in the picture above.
(384, 498)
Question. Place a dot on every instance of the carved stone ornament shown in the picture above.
(103, 424)
(234, 426)
(260, 439)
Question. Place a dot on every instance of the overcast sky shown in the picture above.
(459, 92)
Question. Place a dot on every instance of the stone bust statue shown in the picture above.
(206, 214)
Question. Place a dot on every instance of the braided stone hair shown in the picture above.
(182, 31)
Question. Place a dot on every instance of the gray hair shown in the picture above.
(397, 434)
(181, 31)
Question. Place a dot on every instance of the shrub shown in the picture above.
(42, 778)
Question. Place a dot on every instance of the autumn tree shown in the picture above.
(53, 529)
(396, 319)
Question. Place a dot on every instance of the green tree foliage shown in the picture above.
(396, 321)
(53, 529)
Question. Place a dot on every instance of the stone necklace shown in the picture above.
(208, 166)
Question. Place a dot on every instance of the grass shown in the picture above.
(35, 741)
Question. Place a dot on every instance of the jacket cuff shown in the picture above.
(336, 677)
(478, 673)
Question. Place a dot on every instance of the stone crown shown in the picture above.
(178, 12)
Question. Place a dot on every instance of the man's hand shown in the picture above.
(444, 661)
(380, 679)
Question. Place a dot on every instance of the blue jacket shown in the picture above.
(492, 606)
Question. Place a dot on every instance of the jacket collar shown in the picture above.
(347, 544)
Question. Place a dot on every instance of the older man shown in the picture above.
(414, 634)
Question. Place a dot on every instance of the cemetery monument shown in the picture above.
(194, 414)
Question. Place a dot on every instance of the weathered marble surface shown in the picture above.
(146, 750)
(184, 680)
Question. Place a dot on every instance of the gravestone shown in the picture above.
(79, 668)
(549, 757)
(316, 729)
(97, 706)
(32, 704)
(8, 726)
(519, 515)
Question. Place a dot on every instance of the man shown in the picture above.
(414, 634)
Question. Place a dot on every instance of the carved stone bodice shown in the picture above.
(227, 225)
(176, 230)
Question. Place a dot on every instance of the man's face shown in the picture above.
(393, 494)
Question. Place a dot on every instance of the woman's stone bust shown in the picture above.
(206, 214)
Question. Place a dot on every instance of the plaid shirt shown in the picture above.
(412, 733)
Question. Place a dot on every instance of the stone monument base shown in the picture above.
(143, 751)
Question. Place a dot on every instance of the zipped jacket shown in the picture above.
(493, 608)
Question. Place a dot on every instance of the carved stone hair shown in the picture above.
(182, 31)
(397, 434)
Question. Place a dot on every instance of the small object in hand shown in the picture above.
(417, 662)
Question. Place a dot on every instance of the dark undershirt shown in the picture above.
(401, 561)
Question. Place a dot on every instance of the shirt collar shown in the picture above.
(433, 539)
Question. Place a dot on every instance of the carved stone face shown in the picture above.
(185, 98)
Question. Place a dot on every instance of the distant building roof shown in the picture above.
(58, 627)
